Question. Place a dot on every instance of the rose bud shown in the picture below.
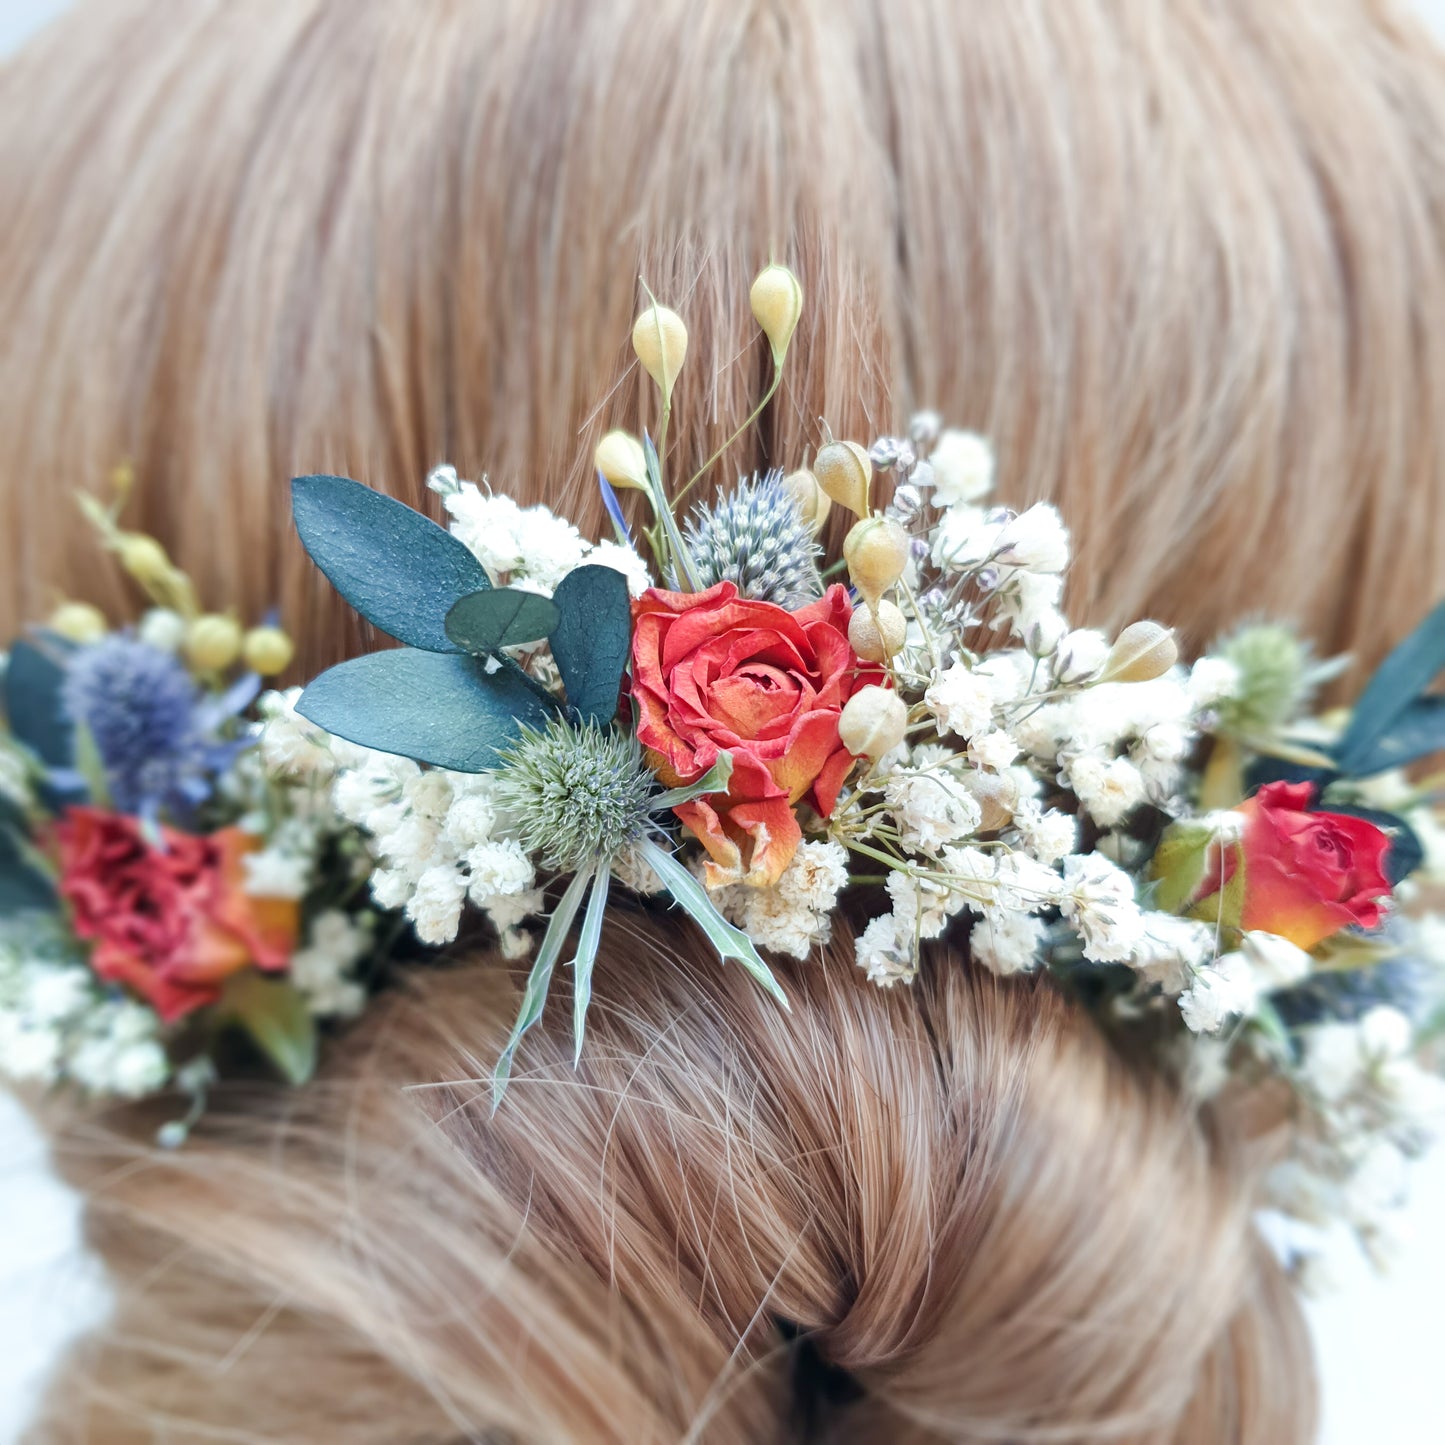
(1300, 875)
(812, 502)
(660, 340)
(620, 458)
(267, 651)
(1141, 652)
(213, 642)
(873, 723)
(875, 637)
(78, 622)
(845, 473)
(777, 302)
(876, 551)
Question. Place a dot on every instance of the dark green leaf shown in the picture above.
(482, 622)
(1277, 770)
(1406, 851)
(1401, 678)
(534, 995)
(34, 680)
(443, 709)
(397, 568)
(275, 1015)
(592, 641)
(1417, 732)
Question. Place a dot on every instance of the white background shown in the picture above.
(1378, 1340)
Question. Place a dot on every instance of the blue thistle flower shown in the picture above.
(147, 719)
(755, 538)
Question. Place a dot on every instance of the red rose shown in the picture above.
(172, 922)
(713, 672)
(1305, 875)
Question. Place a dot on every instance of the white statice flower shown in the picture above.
(1006, 942)
(30, 1052)
(1159, 756)
(1025, 885)
(973, 877)
(163, 629)
(1029, 603)
(930, 809)
(435, 905)
(964, 538)
(470, 820)
(1035, 540)
(1172, 950)
(276, 873)
(921, 906)
(1219, 991)
(1109, 789)
(1212, 680)
(961, 701)
(962, 464)
(993, 751)
(323, 970)
(1012, 672)
(795, 914)
(289, 745)
(55, 995)
(625, 560)
(1098, 901)
(631, 868)
(499, 868)
(550, 547)
(1049, 836)
(885, 955)
(1079, 655)
(1277, 963)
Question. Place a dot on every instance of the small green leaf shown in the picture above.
(1401, 678)
(587, 943)
(399, 569)
(274, 1014)
(534, 995)
(715, 780)
(1179, 865)
(90, 767)
(482, 622)
(34, 680)
(443, 709)
(692, 897)
(592, 641)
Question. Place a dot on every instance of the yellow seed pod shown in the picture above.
(845, 473)
(144, 558)
(660, 340)
(620, 458)
(78, 622)
(812, 502)
(213, 642)
(876, 551)
(873, 722)
(267, 650)
(877, 638)
(1141, 652)
(777, 302)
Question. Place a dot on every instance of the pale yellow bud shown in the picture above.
(1142, 652)
(876, 551)
(267, 650)
(145, 559)
(997, 796)
(876, 639)
(812, 502)
(78, 622)
(660, 340)
(845, 473)
(873, 722)
(620, 458)
(213, 642)
(777, 302)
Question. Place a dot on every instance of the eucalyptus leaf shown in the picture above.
(1402, 677)
(444, 709)
(534, 995)
(692, 897)
(397, 568)
(592, 640)
(587, 942)
(715, 780)
(1416, 733)
(34, 702)
(496, 617)
(274, 1014)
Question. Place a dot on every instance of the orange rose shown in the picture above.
(713, 672)
(1305, 875)
(172, 922)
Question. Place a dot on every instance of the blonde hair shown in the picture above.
(1177, 261)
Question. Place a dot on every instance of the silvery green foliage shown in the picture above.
(575, 795)
(754, 538)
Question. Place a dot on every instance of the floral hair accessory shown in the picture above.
(714, 711)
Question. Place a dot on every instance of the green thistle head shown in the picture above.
(575, 794)
(1274, 679)
(755, 538)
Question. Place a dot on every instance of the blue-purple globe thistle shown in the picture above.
(144, 714)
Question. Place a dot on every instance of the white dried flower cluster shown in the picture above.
(1231, 987)
(527, 547)
(794, 915)
(324, 970)
(58, 1024)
